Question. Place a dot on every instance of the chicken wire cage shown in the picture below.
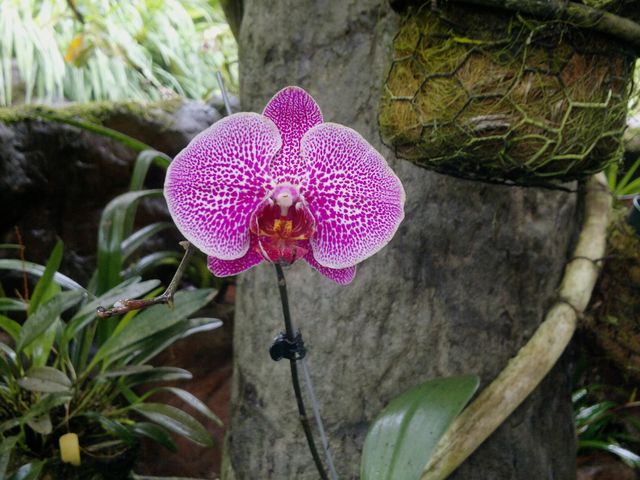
(495, 96)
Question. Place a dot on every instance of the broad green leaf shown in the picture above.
(194, 402)
(43, 285)
(29, 471)
(153, 320)
(11, 327)
(403, 437)
(37, 323)
(12, 305)
(41, 424)
(45, 379)
(38, 270)
(177, 421)
(155, 433)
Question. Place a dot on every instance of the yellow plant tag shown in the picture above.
(70, 449)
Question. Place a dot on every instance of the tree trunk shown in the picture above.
(460, 289)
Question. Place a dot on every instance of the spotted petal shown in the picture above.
(215, 183)
(342, 276)
(226, 268)
(355, 198)
(294, 112)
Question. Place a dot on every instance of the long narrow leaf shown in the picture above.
(52, 266)
(37, 323)
(153, 320)
(137, 239)
(177, 421)
(38, 271)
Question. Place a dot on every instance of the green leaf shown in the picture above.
(38, 270)
(47, 403)
(41, 424)
(10, 326)
(155, 433)
(194, 402)
(53, 264)
(113, 427)
(137, 239)
(37, 323)
(626, 455)
(158, 374)
(126, 371)
(151, 321)
(45, 379)
(144, 160)
(111, 234)
(131, 288)
(403, 437)
(177, 421)
(12, 305)
(6, 447)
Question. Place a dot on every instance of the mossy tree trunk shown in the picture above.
(460, 289)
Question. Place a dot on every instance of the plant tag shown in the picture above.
(70, 449)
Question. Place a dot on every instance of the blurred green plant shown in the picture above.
(54, 379)
(84, 50)
(606, 425)
(624, 184)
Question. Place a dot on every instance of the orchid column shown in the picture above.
(459, 289)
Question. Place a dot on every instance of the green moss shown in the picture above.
(96, 112)
(522, 101)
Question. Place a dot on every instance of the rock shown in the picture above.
(56, 179)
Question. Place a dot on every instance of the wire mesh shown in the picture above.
(499, 97)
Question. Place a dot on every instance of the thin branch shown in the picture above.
(532, 363)
(282, 286)
(127, 305)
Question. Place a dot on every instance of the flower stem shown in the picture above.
(282, 286)
(124, 306)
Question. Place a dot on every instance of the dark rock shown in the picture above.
(56, 179)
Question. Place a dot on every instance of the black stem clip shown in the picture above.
(282, 347)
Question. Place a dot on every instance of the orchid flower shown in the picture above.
(284, 186)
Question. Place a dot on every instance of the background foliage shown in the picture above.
(82, 50)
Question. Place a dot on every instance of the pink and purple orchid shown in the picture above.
(284, 186)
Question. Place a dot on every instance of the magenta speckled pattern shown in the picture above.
(226, 268)
(294, 112)
(306, 188)
(213, 186)
(343, 276)
(356, 199)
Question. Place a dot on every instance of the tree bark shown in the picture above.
(463, 285)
